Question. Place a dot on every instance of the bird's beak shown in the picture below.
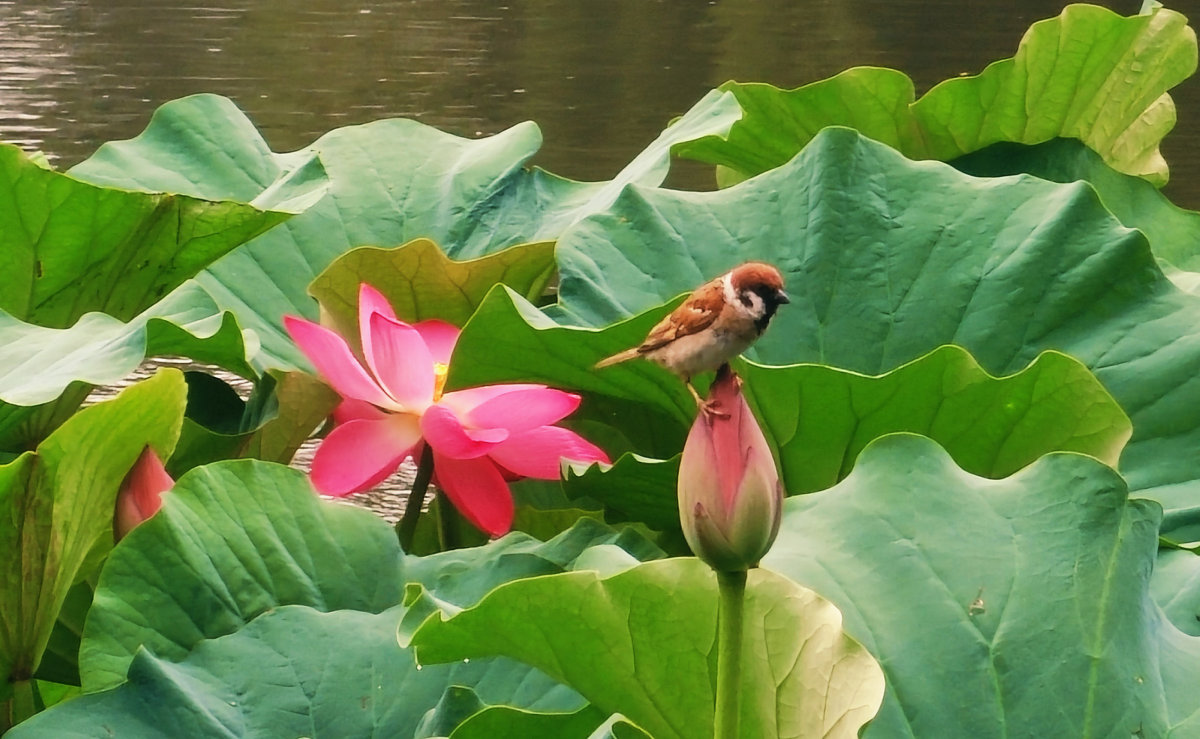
(781, 297)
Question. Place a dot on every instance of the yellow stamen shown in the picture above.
(439, 379)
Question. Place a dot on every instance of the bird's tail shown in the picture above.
(617, 358)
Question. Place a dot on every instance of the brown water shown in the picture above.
(600, 78)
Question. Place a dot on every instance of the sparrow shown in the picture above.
(718, 321)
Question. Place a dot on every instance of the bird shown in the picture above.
(717, 322)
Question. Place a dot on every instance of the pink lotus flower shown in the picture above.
(393, 404)
(141, 491)
(730, 499)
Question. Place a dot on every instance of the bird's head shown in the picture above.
(757, 290)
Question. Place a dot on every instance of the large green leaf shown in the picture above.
(1088, 74)
(58, 504)
(79, 260)
(236, 543)
(232, 541)
(506, 722)
(45, 373)
(640, 488)
(1176, 588)
(821, 418)
(509, 339)
(38, 363)
(1006, 268)
(462, 576)
(421, 282)
(292, 671)
(245, 684)
(391, 181)
(282, 412)
(286, 416)
(60, 661)
(69, 247)
(998, 608)
(1174, 233)
(642, 643)
(817, 417)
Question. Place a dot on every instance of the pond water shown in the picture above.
(600, 78)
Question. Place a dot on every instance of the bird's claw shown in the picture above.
(712, 409)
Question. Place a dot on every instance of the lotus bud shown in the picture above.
(730, 499)
(141, 491)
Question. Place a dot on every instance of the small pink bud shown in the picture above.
(730, 499)
(141, 491)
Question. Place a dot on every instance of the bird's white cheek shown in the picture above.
(755, 310)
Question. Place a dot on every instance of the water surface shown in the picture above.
(600, 78)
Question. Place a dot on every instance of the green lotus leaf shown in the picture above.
(291, 671)
(45, 373)
(461, 714)
(618, 727)
(239, 542)
(639, 488)
(997, 607)
(506, 722)
(545, 524)
(541, 519)
(60, 660)
(458, 703)
(821, 418)
(22, 428)
(232, 541)
(211, 401)
(421, 282)
(71, 247)
(286, 416)
(1176, 588)
(817, 417)
(642, 406)
(462, 576)
(1088, 74)
(38, 363)
(1173, 232)
(59, 502)
(1006, 268)
(80, 260)
(280, 415)
(391, 181)
(627, 640)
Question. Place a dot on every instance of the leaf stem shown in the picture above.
(406, 527)
(448, 533)
(732, 594)
(25, 702)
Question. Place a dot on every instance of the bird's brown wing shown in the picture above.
(692, 316)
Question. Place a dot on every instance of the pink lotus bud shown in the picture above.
(730, 499)
(141, 492)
